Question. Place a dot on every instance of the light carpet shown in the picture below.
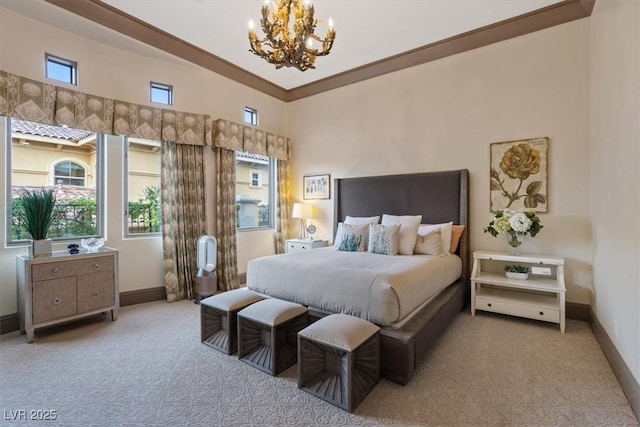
(149, 368)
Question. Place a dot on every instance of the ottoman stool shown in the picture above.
(218, 321)
(339, 359)
(267, 334)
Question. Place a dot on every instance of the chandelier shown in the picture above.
(290, 47)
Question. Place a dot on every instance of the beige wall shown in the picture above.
(615, 174)
(443, 115)
(115, 73)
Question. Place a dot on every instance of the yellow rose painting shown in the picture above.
(518, 175)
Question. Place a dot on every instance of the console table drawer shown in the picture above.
(95, 291)
(53, 299)
(516, 309)
(55, 270)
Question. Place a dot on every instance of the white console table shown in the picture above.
(540, 297)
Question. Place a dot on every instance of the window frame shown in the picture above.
(63, 160)
(125, 193)
(272, 163)
(259, 178)
(253, 116)
(100, 193)
(164, 87)
(73, 67)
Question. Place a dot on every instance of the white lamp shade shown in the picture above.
(302, 210)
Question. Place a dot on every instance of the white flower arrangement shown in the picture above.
(515, 223)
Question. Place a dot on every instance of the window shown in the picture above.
(71, 164)
(60, 69)
(254, 192)
(256, 178)
(161, 94)
(69, 173)
(251, 116)
(142, 187)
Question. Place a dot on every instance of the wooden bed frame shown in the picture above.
(439, 197)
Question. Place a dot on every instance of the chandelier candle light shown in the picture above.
(290, 47)
(515, 225)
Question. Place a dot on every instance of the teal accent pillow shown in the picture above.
(383, 239)
(351, 238)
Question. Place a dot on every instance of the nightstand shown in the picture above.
(298, 245)
(540, 297)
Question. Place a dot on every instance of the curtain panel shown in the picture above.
(26, 99)
(183, 216)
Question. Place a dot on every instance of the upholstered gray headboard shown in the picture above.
(437, 196)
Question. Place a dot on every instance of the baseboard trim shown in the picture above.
(141, 296)
(11, 322)
(577, 311)
(626, 379)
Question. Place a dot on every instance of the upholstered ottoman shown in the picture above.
(218, 318)
(339, 359)
(267, 334)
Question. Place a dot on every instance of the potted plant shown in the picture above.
(38, 205)
(517, 272)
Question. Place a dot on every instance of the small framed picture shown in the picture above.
(317, 187)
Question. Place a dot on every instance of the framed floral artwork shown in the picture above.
(519, 175)
(317, 187)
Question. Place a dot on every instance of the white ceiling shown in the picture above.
(367, 30)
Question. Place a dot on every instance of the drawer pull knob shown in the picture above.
(542, 313)
(489, 305)
(94, 294)
(55, 271)
(56, 300)
(96, 266)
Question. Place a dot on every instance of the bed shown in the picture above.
(409, 328)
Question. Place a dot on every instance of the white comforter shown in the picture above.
(382, 289)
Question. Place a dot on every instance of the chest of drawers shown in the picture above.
(65, 287)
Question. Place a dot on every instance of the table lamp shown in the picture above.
(302, 211)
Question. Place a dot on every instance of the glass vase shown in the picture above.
(515, 240)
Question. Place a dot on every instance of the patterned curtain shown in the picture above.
(282, 205)
(226, 218)
(183, 216)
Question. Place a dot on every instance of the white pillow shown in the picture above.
(408, 230)
(351, 238)
(429, 244)
(359, 220)
(383, 239)
(445, 233)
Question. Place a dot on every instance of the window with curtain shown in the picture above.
(255, 193)
(142, 160)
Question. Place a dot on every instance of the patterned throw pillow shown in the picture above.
(351, 238)
(383, 239)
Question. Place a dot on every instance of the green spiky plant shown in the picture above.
(38, 207)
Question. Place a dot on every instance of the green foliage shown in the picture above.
(147, 210)
(516, 268)
(37, 211)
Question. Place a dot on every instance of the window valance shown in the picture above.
(238, 137)
(35, 101)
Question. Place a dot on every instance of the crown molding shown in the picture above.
(110, 17)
